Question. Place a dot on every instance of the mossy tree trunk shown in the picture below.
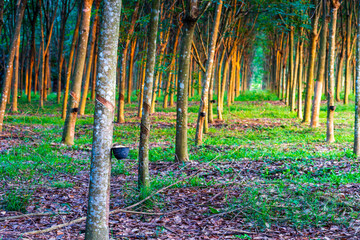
(191, 17)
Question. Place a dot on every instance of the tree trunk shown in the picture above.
(10, 60)
(73, 108)
(131, 67)
(348, 56)
(143, 177)
(14, 106)
(300, 75)
(94, 33)
(181, 148)
(310, 75)
(340, 73)
(190, 20)
(321, 72)
(70, 64)
(141, 92)
(94, 71)
(335, 4)
(292, 78)
(219, 80)
(206, 84)
(97, 221)
(122, 85)
(32, 60)
(357, 95)
(171, 74)
(41, 60)
(211, 91)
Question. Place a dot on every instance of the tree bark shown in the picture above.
(339, 76)
(300, 76)
(10, 60)
(143, 169)
(190, 20)
(321, 72)
(335, 4)
(14, 107)
(94, 71)
(97, 221)
(291, 81)
(357, 95)
(348, 55)
(131, 68)
(95, 30)
(209, 70)
(73, 108)
(310, 75)
(171, 74)
(70, 64)
(122, 85)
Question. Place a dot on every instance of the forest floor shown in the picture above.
(260, 174)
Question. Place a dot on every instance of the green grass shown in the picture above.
(297, 175)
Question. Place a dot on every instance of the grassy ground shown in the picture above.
(259, 174)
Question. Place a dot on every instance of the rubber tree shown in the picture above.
(209, 70)
(291, 94)
(314, 35)
(300, 75)
(321, 70)
(143, 169)
(348, 51)
(65, 11)
(190, 19)
(70, 64)
(90, 58)
(73, 108)
(97, 221)
(357, 95)
(335, 4)
(10, 59)
(164, 39)
(14, 102)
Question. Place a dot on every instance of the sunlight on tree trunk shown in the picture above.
(10, 60)
(209, 69)
(73, 108)
(321, 71)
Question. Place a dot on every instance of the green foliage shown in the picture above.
(62, 184)
(293, 183)
(16, 201)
